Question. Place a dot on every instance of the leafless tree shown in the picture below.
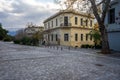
(20, 34)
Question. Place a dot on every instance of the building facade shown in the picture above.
(68, 28)
(112, 24)
(32, 29)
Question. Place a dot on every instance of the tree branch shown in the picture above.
(94, 7)
(106, 7)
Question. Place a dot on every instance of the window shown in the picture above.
(76, 20)
(66, 37)
(76, 37)
(111, 16)
(56, 22)
(48, 25)
(52, 23)
(56, 37)
(45, 26)
(86, 37)
(91, 23)
(48, 37)
(51, 37)
(65, 21)
(81, 37)
(81, 21)
(91, 37)
(86, 22)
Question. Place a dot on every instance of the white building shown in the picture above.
(32, 29)
(112, 24)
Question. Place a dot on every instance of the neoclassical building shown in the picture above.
(68, 28)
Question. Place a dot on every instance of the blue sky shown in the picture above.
(15, 14)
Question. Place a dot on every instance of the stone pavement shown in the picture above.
(18, 62)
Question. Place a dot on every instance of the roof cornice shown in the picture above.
(69, 11)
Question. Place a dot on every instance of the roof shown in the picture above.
(69, 11)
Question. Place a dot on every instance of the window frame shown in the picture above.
(66, 37)
(76, 37)
(76, 20)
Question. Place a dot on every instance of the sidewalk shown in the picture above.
(114, 54)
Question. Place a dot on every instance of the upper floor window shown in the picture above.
(52, 23)
(81, 21)
(76, 20)
(45, 26)
(111, 16)
(48, 25)
(66, 37)
(86, 22)
(66, 21)
(56, 22)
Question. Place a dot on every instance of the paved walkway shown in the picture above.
(18, 62)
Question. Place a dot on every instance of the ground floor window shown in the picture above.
(86, 37)
(81, 37)
(66, 37)
(48, 37)
(56, 37)
(51, 37)
(91, 37)
(76, 37)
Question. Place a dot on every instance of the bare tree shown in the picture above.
(96, 6)
(20, 34)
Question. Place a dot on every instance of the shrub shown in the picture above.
(8, 38)
(87, 46)
(83, 46)
(35, 42)
(17, 41)
(98, 47)
(26, 41)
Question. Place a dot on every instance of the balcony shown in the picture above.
(65, 25)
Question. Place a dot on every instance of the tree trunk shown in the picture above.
(104, 37)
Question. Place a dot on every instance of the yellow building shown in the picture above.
(68, 28)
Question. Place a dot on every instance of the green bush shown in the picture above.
(87, 46)
(17, 41)
(98, 47)
(26, 41)
(35, 42)
(83, 46)
(8, 38)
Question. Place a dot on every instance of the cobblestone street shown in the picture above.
(19, 62)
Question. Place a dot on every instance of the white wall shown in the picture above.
(114, 40)
(114, 29)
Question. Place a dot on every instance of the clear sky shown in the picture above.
(15, 14)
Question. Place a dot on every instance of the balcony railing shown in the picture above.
(65, 25)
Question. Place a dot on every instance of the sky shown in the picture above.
(15, 14)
